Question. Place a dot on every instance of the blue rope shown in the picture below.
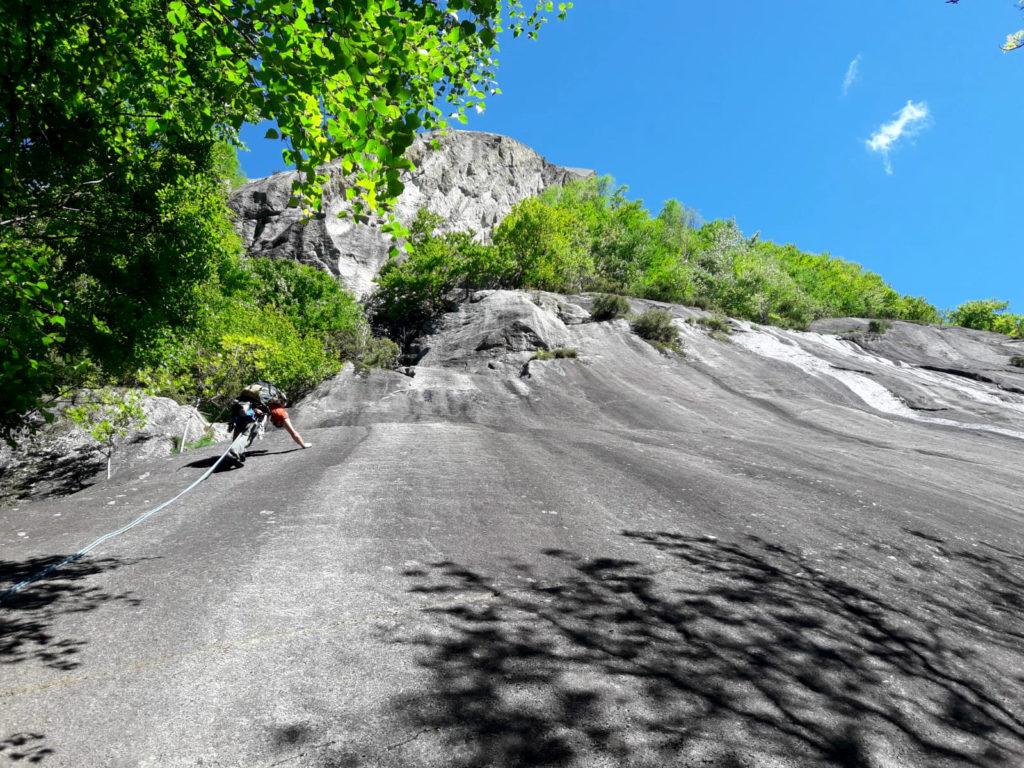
(237, 444)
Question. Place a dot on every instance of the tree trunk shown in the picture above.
(110, 456)
(184, 432)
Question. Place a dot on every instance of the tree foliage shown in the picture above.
(263, 319)
(349, 80)
(118, 123)
(587, 235)
(107, 415)
(416, 289)
(987, 315)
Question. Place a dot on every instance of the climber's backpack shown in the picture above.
(267, 392)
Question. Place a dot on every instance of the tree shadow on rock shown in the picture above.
(28, 618)
(702, 652)
(43, 474)
(25, 748)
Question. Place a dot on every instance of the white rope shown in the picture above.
(237, 445)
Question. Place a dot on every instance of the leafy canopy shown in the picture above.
(117, 136)
(588, 236)
(987, 315)
(352, 79)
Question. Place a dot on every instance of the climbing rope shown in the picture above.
(237, 444)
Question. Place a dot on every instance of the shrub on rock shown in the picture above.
(379, 352)
(558, 353)
(608, 306)
(656, 326)
(879, 326)
(713, 323)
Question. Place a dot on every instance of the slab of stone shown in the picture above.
(471, 180)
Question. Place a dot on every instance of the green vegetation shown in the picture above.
(587, 236)
(656, 326)
(987, 315)
(558, 353)
(413, 293)
(168, 303)
(378, 353)
(107, 415)
(879, 327)
(1017, 361)
(121, 118)
(608, 306)
(713, 323)
(264, 319)
(205, 441)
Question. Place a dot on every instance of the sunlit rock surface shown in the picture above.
(797, 550)
(61, 458)
(472, 181)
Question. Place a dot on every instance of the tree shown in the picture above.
(987, 315)
(114, 115)
(1014, 40)
(351, 80)
(546, 246)
(108, 415)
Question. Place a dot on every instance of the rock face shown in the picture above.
(480, 365)
(61, 458)
(472, 181)
(782, 549)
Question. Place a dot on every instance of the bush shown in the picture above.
(412, 294)
(586, 235)
(314, 301)
(545, 247)
(379, 353)
(713, 323)
(987, 315)
(879, 326)
(1017, 361)
(263, 319)
(107, 415)
(608, 306)
(656, 326)
(558, 353)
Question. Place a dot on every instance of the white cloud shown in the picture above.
(908, 122)
(852, 74)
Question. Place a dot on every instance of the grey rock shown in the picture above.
(61, 458)
(472, 180)
(478, 365)
(499, 326)
(840, 325)
(609, 551)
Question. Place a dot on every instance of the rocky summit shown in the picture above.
(472, 180)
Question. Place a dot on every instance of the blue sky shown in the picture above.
(738, 110)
